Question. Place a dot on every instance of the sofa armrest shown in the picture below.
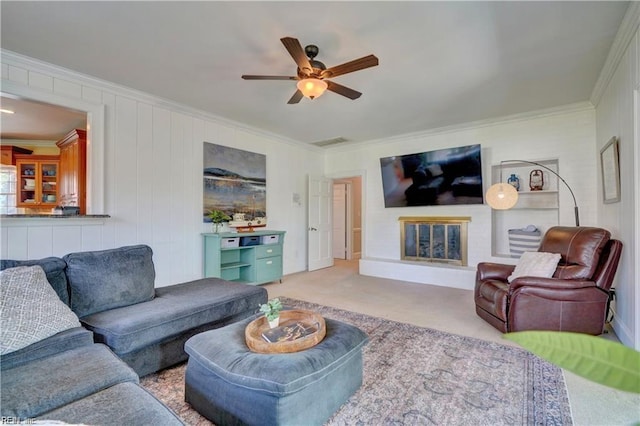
(63, 341)
(495, 271)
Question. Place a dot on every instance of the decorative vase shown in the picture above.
(274, 322)
(514, 181)
(216, 227)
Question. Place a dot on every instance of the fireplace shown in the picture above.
(434, 239)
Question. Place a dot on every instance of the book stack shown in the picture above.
(289, 331)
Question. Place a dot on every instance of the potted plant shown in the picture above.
(218, 217)
(271, 310)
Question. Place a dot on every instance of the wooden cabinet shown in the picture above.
(73, 165)
(37, 181)
(249, 257)
(9, 153)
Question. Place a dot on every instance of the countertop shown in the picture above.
(54, 216)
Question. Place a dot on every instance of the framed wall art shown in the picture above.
(234, 181)
(610, 164)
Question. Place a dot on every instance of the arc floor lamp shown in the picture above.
(503, 196)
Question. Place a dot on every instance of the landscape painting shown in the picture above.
(234, 181)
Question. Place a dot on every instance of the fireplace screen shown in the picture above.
(434, 239)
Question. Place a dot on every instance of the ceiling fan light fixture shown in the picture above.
(312, 87)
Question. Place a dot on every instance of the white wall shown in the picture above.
(615, 116)
(152, 188)
(567, 134)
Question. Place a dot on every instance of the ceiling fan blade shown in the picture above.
(296, 97)
(296, 51)
(351, 66)
(343, 90)
(268, 77)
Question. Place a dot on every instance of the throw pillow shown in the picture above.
(435, 169)
(53, 268)
(535, 264)
(30, 309)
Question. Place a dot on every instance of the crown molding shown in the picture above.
(11, 58)
(626, 32)
(525, 116)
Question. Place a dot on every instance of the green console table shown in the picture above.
(249, 257)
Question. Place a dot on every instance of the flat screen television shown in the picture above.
(441, 177)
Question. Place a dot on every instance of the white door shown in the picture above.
(320, 230)
(339, 220)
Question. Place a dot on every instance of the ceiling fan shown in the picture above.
(313, 76)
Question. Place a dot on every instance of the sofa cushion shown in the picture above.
(122, 404)
(535, 264)
(175, 309)
(107, 279)
(46, 384)
(30, 310)
(54, 269)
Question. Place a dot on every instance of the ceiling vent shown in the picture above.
(328, 142)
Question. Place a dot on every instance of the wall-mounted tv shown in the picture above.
(441, 177)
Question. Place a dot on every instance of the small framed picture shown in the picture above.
(610, 164)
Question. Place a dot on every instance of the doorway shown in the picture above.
(340, 217)
(320, 245)
(347, 218)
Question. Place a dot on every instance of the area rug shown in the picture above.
(419, 376)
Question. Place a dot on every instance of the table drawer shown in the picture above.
(269, 269)
(268, 250)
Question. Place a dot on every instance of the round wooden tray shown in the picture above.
(257, 343)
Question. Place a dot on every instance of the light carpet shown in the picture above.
(419, 376)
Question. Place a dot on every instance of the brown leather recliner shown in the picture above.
(576, 297)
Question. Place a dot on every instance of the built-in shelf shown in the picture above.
(539, 208)
(234, 265)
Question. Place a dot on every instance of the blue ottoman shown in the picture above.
(229, 384)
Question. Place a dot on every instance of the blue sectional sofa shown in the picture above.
(78, 375)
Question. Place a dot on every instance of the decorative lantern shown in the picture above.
(514, 181)
(536, 180)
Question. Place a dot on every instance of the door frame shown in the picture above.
(636, 272)
(362, 174)
(348, 219)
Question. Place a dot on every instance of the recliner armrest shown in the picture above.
(496, 271)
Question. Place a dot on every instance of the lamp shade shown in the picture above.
(312, 87)
(501, 196)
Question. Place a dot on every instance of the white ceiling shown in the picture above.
(441, 63)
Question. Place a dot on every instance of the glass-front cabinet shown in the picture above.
(37, 181)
